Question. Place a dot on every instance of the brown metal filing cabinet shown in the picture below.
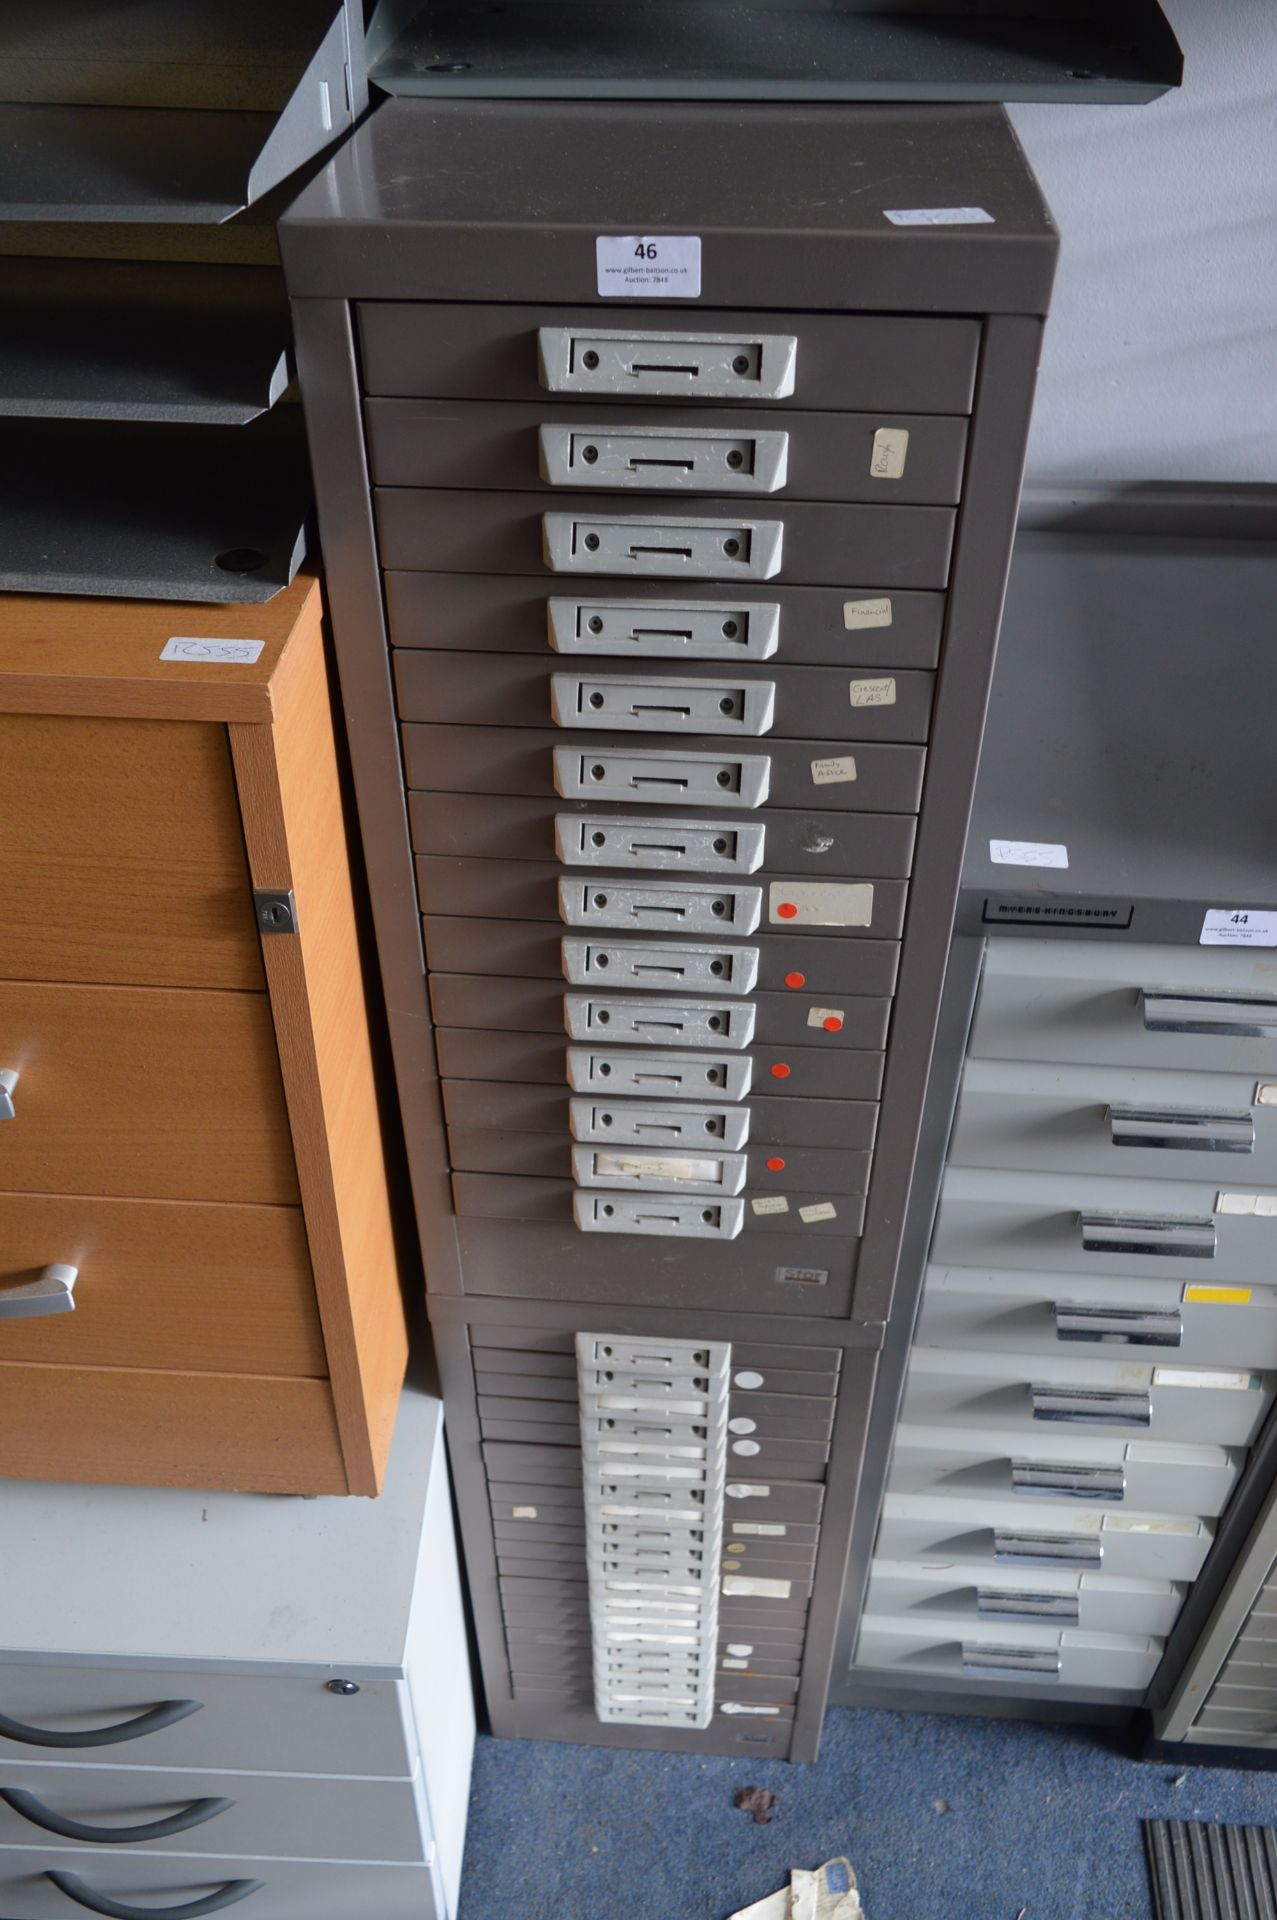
(198, 1284)
(668, 460)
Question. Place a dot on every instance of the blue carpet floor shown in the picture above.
(942, 1818)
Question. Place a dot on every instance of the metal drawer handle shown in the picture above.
(1048, 1549)
(86, 1896)
(51, 1293)
(39, 1815)
(1047, 1480)
(1119, 1326)
(1190, 1129)
(1178, 1235)
(1010, 1660)
(1209, 1013)
(1088, 1406)
(8, 1086)
(998, 1603)
(166, 1714)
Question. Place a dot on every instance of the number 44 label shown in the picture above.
(665, 266)
(1238, 927)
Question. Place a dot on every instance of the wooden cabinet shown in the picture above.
(194, 1123)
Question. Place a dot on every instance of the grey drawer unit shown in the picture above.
(290, 1727)
(665, 627)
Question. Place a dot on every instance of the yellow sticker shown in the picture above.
(1217, 1296)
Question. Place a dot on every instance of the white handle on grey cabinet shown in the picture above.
(51, 1293)
(8, 1085)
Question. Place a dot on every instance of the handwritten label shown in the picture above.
(820, 1017)
(234, 653)
(1238, 927)
(821, 1210)
(523, 1513)
(1028, 853)
(887, 455)
(648, 266)
(831, 773)
(872, 693)
(770, 1203)
(865, 613)
(938, 216)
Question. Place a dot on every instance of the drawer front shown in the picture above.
(844, 361)
(661, 840)
(269, 1724)
(330, 1890)
(1104, 1663)
(274, 1815)
(104, 820)
(790, 963)
(1146, 1401)
(1070, 1467)
(251, 1434)
(450, 531)
(1036, 1117)
(688, 699)
(1178, 1008)
(840, 1125)
(543, 1156)
(1048, 1314)
(225, 1290)
(616, 618)
(1001, 1597)
(1025, 1536)
(753, 453)
(878, 777)
(93, 1114)
(558, 1202)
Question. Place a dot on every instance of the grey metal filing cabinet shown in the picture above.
(1085, 1414)
(220, 1700)
(665, 598)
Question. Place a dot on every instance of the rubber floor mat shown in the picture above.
(1205, 1871)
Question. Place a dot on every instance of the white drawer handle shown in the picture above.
(51, 1293)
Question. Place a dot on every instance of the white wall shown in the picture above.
(1161, 352)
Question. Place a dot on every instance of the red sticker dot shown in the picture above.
(795, 979)
(787, 910)
(775, 1166)
(833, 1024)
(780, 1071)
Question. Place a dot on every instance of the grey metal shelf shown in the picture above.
(138, 340)
(920, 50)
(153, 512)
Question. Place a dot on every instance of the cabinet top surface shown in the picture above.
(169, 1574)
(60, 654)
(525, 186)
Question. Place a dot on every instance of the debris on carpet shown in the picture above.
(756, 1800)
(828, 1893)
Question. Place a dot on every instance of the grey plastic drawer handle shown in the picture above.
(1209, 1013)
(39, 1815)
(166, 1714)
(51, 1293)
(1173, 1235)
(8, 1087)
(86, 1896)
(1119, 1326)
(1010, 1660)
(1085, 1406)
(1182, 1128)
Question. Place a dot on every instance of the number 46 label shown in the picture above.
(665, 266)
(1238, 927)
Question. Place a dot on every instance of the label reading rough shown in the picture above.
(872, 693)
(865, 613)
(887, 455)
(831, 773)
(1238, 927)
(665, 266)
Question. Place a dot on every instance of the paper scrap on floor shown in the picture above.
(827, 1894)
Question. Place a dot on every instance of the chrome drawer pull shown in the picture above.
(1119, 1326)
(1092, 1406)
(1047, 1549)
(51, 1293)
(154, 1720)
(8, 1086)
(1210, 1013)
(992, 1603)
(1173, 1235)
(1010, 1660)
(1186, 1128)
(86, 1896)
(710, 366)
(1044, 1479)
(39, 1815)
